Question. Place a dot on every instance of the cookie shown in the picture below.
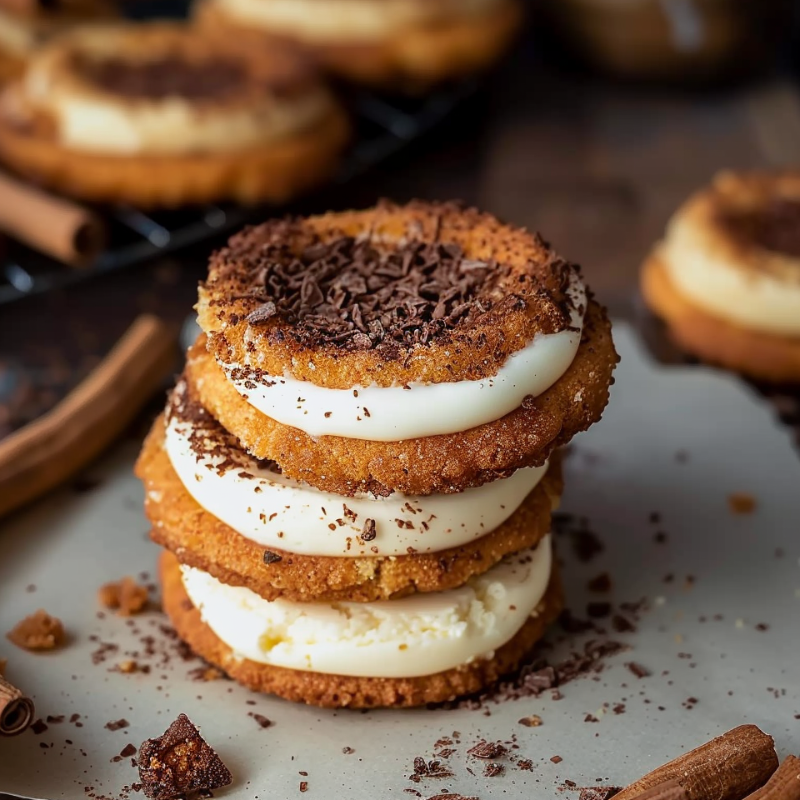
(726, 277)
(187, 118)
(335, 691)
(200, 540)
(405, 44)
(421, 348)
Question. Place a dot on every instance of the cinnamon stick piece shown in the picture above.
(783, 785)
(48, 451)
(729, 767)
(16, 710)
(670, 790)
(55, 226)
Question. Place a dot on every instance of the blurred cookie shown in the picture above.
(26, 26)
(726, 277)
(161, 115)
(400, 43)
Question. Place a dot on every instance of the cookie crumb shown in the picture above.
(178, 762)
(39, 631)
(125, 596)
(742, 503)
(533, 721)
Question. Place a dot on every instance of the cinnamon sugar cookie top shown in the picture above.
(430, 292)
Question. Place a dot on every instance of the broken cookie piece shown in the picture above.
(180, 761)
(39, 631)
(125, 596)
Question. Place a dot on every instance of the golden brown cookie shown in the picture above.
(200, 540)
(447, 463)
(515, 286)
(413, 57)
(764, 357)
(187, 118)
(334, 691)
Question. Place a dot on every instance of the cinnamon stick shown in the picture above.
(729, 767)
(669, 790)
(48, 451)
(783, 785)
(16, 710)
(53, 225)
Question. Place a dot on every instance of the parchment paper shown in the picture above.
(720, 632)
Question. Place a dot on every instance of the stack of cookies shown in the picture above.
(355, 474)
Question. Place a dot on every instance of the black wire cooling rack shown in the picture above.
(383, 126)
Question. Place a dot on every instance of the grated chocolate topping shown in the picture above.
(170, 76)
(357, 295)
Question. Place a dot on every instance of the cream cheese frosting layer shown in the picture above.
(345, 20)
(410, 637)
(705, 273)
(88, 118)
(278, 512)
(395, 413)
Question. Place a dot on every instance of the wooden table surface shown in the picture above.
(595, 166)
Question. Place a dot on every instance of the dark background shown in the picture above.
(596, 164)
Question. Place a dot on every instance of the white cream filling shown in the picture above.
(413, 636)
(344, 20)
(395, 413)
(755, 300)
(278, 512)
(101, 123)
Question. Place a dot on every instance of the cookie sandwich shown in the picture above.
(726, 277)
(354, 476)
(163, 115)
(386, 42)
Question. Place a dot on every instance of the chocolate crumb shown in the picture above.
(638, 670)
(271, 558)
(303, 786)
(348, 751)
(116, 725)
(493, 769)
(600, 584)
(178, 762)
(598, 610)
(369, 532)
(262, 721)
(128, 751)
(39, 727)
(556, 759)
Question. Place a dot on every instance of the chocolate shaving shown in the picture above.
(369, 532)
(359, 295)
(487, 750)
